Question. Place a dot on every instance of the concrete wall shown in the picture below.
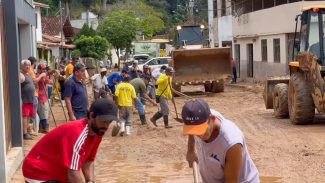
(26, 41)
(263, 22)
(55, 51)
(262, 70)
(224, 29)
(39, 24)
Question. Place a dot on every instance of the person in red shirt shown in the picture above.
(43, 105)
(63, 152)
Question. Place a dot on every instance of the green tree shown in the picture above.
(86, 31)
(119, 28)
(95, 47)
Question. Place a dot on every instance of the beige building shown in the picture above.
(263, 34)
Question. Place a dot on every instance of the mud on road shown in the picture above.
(281, 151)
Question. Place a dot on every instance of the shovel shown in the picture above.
(177, 118)
(195, 172)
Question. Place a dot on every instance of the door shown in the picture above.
(250, 71)
(237, 58)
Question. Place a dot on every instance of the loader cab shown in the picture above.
(311, 38)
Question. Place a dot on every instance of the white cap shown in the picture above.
(135, 62)
(103, 70)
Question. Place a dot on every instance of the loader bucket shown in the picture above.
(201, 65)
(269, 89)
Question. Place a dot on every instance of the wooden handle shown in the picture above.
(195, 172)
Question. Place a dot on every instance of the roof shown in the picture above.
(42, 5)
(48, 38)
(51, 25)
(311, 7)
(42, 44)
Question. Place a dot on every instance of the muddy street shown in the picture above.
(281, 151)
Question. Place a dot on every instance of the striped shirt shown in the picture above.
(67, 147)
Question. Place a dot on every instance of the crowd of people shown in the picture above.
(215, 142)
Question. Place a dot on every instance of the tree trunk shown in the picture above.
(104, 4)
(118, 59)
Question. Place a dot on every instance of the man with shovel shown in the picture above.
(164, 93)
(217, 144)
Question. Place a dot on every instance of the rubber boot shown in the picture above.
(46, 129)
(122, 130)
(128, 130)
(40, 128)
(166, 122)
(143, 119)
(155, 118)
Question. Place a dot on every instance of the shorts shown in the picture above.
(28, 110)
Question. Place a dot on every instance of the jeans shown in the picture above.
(234, 72)
(140, 107)
(80, 114)
(112, 88)
(126, 114)
(164, 109)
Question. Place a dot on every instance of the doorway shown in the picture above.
(250, 66)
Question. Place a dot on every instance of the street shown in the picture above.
(281, 151)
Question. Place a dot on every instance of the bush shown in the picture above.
(95, 47)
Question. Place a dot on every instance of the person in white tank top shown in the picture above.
(217, 144)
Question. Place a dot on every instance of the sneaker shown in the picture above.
(27, 136)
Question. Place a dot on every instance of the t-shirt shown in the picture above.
(133, 72)
(114, 77)
(125, 92)
(66, 147)
(32, 74)
(212, 156)
(99, 82)
(69, 70)
(139, 86)
(27, 89)
(42, 98)
(78, 93)
(164, 86)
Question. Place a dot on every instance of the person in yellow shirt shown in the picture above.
(163, 94)
(70, 66)
(124, 97)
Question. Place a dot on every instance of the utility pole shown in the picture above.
(211, 24)
(61, 24)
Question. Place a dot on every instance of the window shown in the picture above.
(279, 2)
(268, 3)
(276, 50)
(257, 5)
(215, 8)
(223, 7)
(264, 50)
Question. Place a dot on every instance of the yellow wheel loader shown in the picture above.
(297, 96)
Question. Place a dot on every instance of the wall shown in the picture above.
(262, 70)
(282, 16)
(26, 41)
(224, 29)
(55, 51)
(39, 24)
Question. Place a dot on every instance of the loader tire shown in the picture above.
(280, 100)
(217, 87)
(301, 105)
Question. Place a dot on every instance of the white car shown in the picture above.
(155, 63)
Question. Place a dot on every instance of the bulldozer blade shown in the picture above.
(200, 65)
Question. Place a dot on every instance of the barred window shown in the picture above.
(264, 50)
(276, 50)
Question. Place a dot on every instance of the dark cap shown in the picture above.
(170, 70)
(76, 59)
(32, 60)
(79, 66)
(163, 67)
(195, 114)
(126, 78)
(104, 110)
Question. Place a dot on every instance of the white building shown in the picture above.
(223, 23)
(264, 34)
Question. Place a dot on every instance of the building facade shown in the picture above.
(263, 35)
(17, 42)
